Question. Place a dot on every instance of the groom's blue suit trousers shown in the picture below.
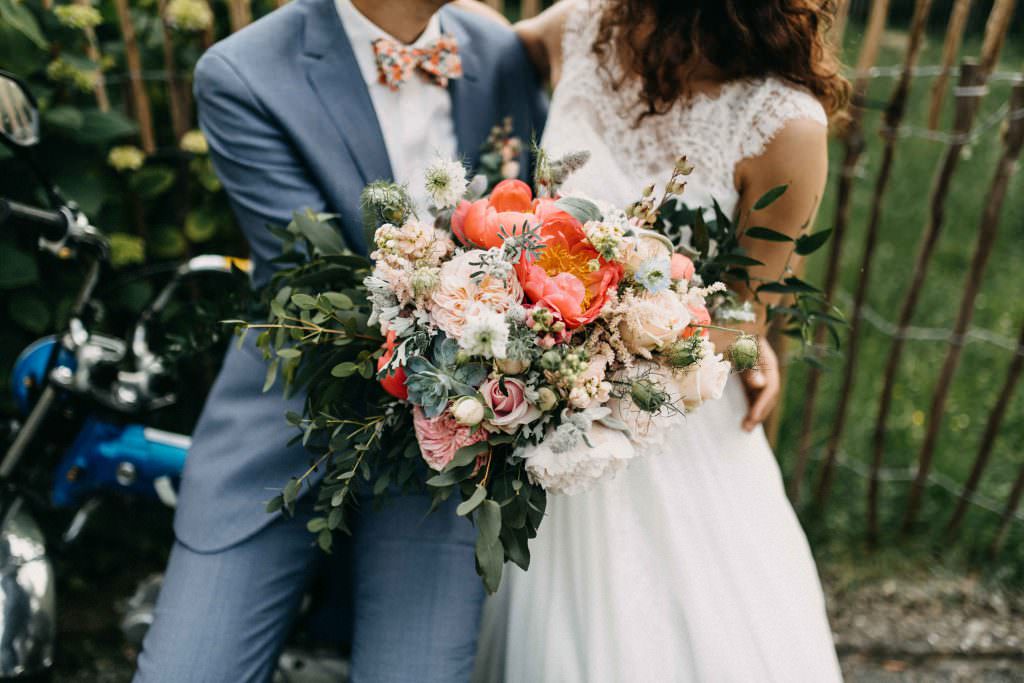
(403, 562)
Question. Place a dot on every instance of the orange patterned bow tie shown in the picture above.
(439, 60)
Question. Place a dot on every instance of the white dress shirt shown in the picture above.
(416, 120)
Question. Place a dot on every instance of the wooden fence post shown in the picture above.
(950, 49)
(853, 144)
(969, 95)
(496, 4)
(529, 8)
(133, 59)
(894, 114)
(967, 107)
(839, 24)
(239, 14)
(1013, 141)
(996, 28)
(1008, 513)
(179, 103)
(988, 439)
(92, 51)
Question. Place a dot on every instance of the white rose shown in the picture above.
(704, 381)
(643, 248)
(653, 321)
(468, 411)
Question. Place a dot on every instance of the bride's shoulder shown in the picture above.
(771, 106)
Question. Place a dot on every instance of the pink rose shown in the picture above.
(441, 436)
(511, 409)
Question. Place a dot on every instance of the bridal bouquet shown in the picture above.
(510, 344)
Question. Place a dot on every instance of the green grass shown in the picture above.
(999, 308)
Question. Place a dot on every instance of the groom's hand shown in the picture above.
(763, 385)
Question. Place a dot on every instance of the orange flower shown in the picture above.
(394, 383)
(700, 316)
(568, 275)
(508, 207)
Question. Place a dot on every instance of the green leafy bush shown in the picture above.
(160, 205)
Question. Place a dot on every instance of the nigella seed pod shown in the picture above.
(685, 352)
(648, 395)
(744, 353)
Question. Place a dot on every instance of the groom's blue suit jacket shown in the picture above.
(291, 125)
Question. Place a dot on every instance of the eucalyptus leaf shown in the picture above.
(490, 558)
(291, 491)
(770, 197)
(322, 235)
(342, 370)
(474, 501)
(808, 244)
(581, 209)
(488, 520)
(767, 234)
(467, 455)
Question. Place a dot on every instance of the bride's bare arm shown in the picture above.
(542, 37)
(797, 157)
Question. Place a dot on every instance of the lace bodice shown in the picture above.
(715, 133)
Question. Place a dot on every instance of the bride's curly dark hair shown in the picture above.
(662, 40)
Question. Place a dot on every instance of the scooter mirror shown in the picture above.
(19, 118)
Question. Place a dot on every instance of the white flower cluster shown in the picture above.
(446, 182)
(485, 333)
(574, 458)
(607, 238)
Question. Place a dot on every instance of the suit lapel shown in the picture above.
(334, 74)
(469, 96)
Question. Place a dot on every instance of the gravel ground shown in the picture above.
(920, 629)
(937, 628)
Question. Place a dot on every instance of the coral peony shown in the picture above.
(393, 383)
(568, 275)
(508, 208)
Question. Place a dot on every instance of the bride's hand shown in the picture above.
(763, 385)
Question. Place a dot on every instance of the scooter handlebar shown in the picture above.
(51, 225)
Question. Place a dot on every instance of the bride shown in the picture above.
(691, 565)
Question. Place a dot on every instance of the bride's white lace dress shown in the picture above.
(690, 565)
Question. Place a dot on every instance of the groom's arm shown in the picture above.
(253, 156)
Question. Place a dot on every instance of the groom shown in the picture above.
(301, 110)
